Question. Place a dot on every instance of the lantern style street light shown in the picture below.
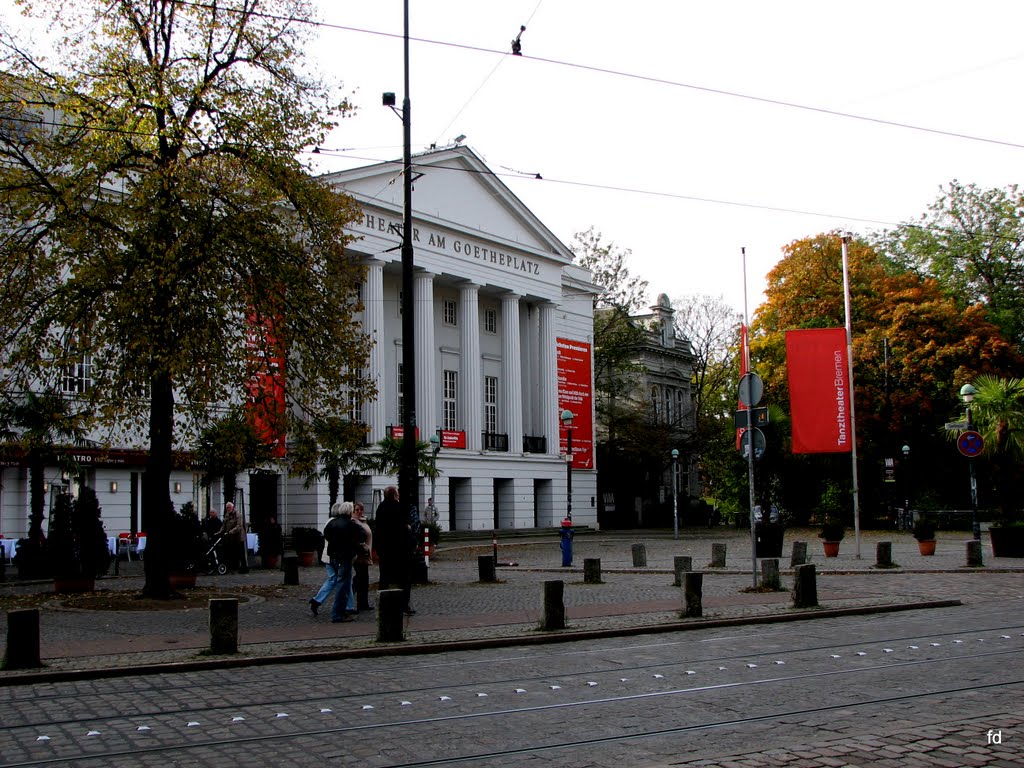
(675, 492)
(967, 393)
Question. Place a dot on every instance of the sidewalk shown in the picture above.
(455, 610)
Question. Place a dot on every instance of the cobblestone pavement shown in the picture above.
(275, 621)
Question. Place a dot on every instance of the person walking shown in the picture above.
(234, 539)
(331, 580)
(341, 535)
(361, 564)
(393, 542)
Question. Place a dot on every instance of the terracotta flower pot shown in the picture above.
(183, 580)
(831, 548)
(271, 561)
(306, 558)
(926, 546)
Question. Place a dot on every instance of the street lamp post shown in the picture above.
(967, 392)
(567, 417)
(675, 492)
(906, 488)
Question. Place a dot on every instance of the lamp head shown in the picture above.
(567, 417)
(675, 453)
(967, 393)
(906, 450)
(435, 443)
(388, 99)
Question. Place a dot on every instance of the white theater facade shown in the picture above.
(503, 346)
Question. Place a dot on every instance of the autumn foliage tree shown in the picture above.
(912, 347)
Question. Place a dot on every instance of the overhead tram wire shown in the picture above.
(648, 79)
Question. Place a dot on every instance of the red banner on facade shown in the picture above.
(575, 393)
(819, 390)
(266, 406)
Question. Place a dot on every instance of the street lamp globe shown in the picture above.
(567, 417)
(435, 443)
(967, 392)
(906, 450)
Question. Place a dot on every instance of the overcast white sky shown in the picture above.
(612, 96)
(713, 172)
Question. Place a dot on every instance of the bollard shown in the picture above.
(553, 616)
(22, 639)
(974, 558)
(770, 574)
(883, 555)
(693, 588)
(291, 569)
(426, 546)
(486, 568)
(592, 570)
(718, 555)
(224, 625)
(565, 533)
(680, 565)
(639, 556)
(799, 556)
(805, 587)
(390, 610)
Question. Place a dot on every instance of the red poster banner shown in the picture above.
(575, 393)
(819, 390)
(266, 406)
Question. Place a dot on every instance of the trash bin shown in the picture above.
(768, 539)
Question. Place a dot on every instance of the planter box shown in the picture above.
(1007, 542)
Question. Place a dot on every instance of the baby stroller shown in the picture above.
(213, 562)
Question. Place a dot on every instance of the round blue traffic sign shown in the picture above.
(970, 443)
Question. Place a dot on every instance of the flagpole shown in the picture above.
(849, 355)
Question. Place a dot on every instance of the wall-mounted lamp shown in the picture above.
(177, 487)
(113, 486)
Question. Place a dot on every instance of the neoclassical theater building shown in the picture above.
(504, 325)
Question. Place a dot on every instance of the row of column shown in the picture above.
(510, 396)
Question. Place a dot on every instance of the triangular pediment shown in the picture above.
(453, 188)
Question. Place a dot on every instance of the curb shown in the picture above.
(556, 636)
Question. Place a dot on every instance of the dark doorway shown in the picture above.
(262, 499)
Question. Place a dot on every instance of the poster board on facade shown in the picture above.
(575, 393)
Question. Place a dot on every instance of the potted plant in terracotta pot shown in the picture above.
(308, 542)
(832, 533)
(271, 543)
(924, 532)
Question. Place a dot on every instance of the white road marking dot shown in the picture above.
(367, 706)
(93, 733)
(481, 695)
(326, 711)
(282, 714)
(591, 683)
(143, 728)
(861, 653)
(42, 738)
(237, 719)
(406, 703)
(520, 690)
(444, 698)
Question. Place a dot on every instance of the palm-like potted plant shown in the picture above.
(924, 532)
(830, 508)
(832, 532)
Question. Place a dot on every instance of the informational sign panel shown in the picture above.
(820, 394)
(266, 406)
(575, 393)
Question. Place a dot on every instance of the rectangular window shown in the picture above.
(490, 404)
(491, 320)
(451, 312)
(76, 378)
(450, 402)
(355, 403)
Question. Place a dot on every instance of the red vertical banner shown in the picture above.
(819, 390)
(575, 393)
(266, 405)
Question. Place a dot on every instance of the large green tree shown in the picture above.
(157, 219)
(972, 241)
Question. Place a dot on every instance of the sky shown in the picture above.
(686, 132)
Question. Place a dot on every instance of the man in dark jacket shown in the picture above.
(392, 538)
(342, 537)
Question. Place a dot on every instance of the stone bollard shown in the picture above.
(639, 556)
(799, 556)
(974, 558)
(770, 574)
(805, 586)
(717, 556)
(592, 570)
(680, 565)
(693, 588)
(291, 569)
(553, 616)
(486, 568)
(883, 555)
(22, 639)
(390, 615)
(224, 625)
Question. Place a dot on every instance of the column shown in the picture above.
(548, 369)
(511, 355)
(426, 355)
(375, 411)
(471, 373)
